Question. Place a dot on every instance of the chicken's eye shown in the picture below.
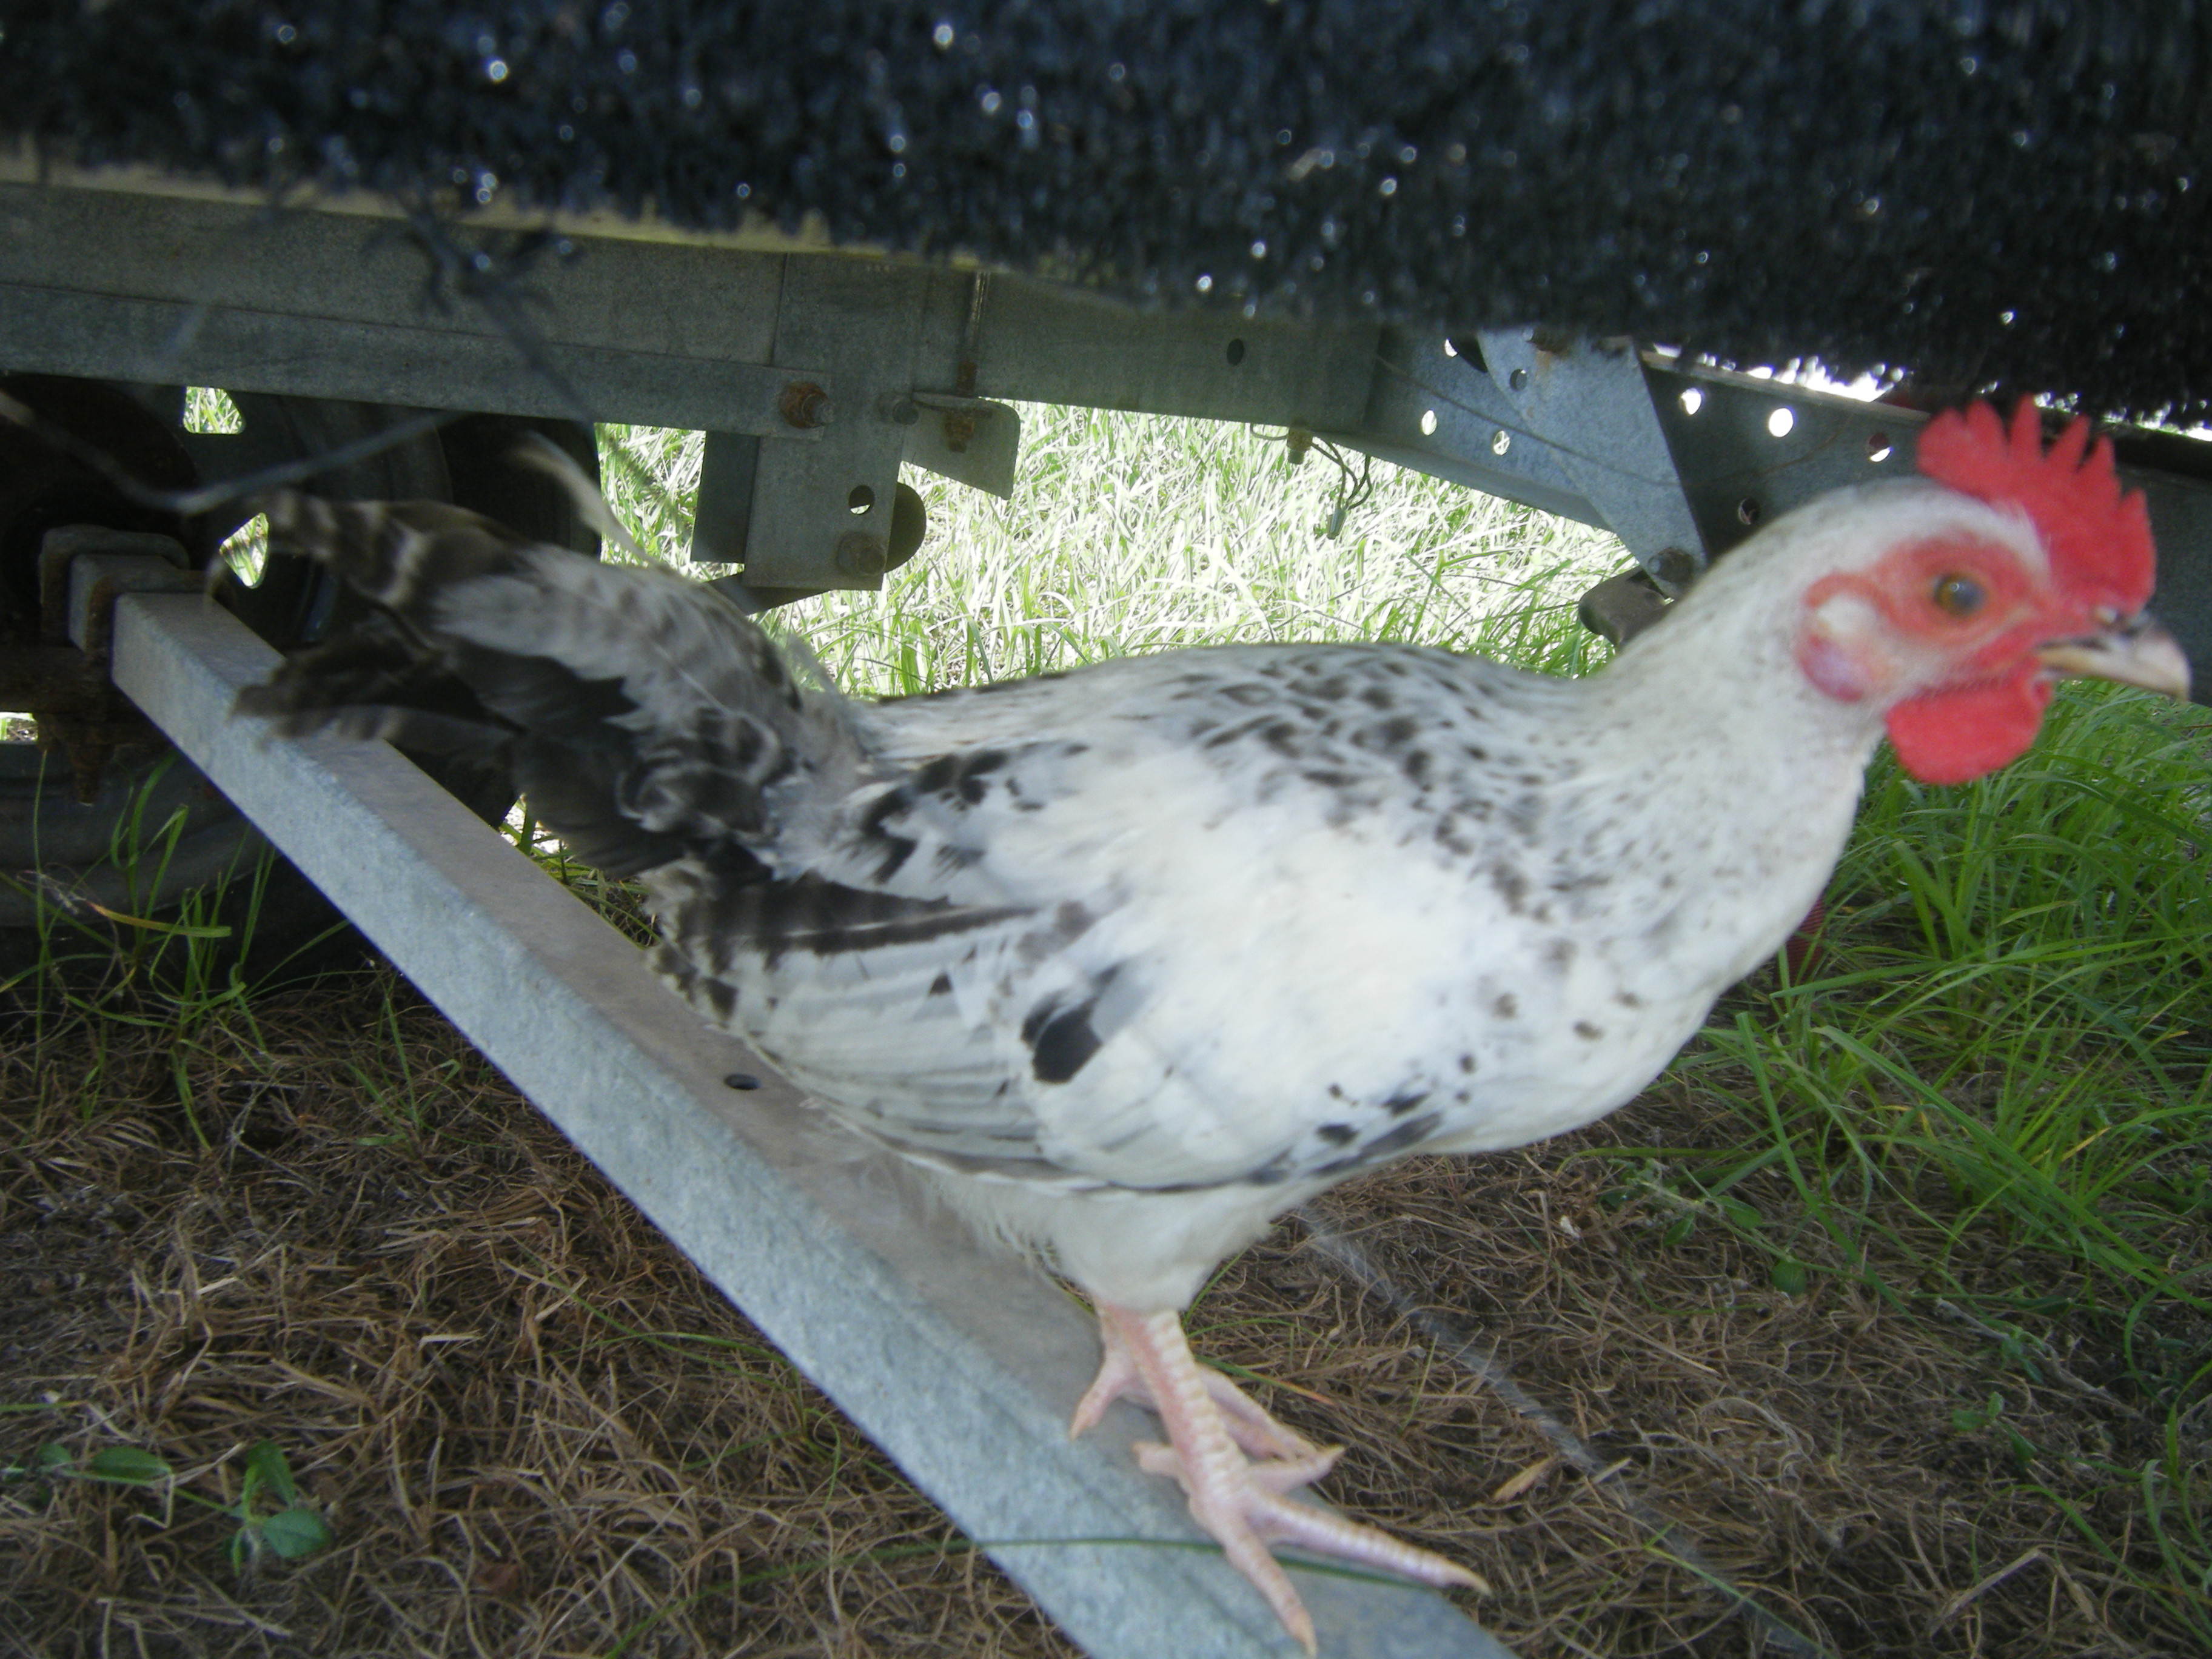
(1957, 595)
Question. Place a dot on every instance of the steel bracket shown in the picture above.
(971, 441)
(819, 513)
(1587, 403)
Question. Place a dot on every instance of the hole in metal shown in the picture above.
(1236, 353)
(1693, 401)
(862, 499)
(210, 409)
(1780, 421)
(1749, 511)
(1428, 423)
(1500, 442)
(1877, 446)
(245, 550)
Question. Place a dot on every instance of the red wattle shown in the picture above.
(1954, 736)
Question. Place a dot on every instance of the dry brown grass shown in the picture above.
(534, 1430)
(531, 1427)
(1803, 1445)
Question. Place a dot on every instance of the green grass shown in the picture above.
(1129, 534)
(2003, 1053)
(2016, 1004)
(129, 981)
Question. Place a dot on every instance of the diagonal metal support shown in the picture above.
(1591, 408)
(963, 1365)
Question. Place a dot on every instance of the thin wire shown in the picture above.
(1472, 1353)
(187, 502)
(484, 281)
(1349, 495)
(490, 283)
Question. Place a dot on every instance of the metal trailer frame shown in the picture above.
(815, 374)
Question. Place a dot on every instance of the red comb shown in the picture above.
(2098, 539)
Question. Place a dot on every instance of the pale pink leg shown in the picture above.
(1216, 1430)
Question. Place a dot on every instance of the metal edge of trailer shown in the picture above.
(962, 1365)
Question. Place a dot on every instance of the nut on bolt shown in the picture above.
(806, 405)
(1675, 569)
(859, 554)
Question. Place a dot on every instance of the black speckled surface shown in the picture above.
(2007, 192)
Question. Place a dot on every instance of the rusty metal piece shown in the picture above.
(82, 567)
(960, 415)
(87, 767)
(58, 547)
(859, 554)
(81, 570)
(40, 676)
(77, 710)
(806, 405)
(67, 694)
(960, 425)
(1621, 607)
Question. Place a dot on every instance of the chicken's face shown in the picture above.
(1958, 635)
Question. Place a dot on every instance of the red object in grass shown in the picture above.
(1802, 949)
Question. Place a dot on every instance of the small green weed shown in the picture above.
(271, 1520)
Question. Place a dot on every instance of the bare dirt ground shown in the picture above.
(533, 1430)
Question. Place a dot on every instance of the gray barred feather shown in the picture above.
(641, 713)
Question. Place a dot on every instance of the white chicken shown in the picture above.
(1139, 957)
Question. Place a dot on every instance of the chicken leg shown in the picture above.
(1237, 1465)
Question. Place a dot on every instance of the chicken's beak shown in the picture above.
(2133, 651)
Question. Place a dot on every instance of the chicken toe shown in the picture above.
(1238, 1466)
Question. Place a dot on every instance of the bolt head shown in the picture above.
(806, 405)
(859, 554)
(1674, 568)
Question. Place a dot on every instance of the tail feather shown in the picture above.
(644, 715)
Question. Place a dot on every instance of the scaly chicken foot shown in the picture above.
(1249, 1426)
(1215, 1432)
